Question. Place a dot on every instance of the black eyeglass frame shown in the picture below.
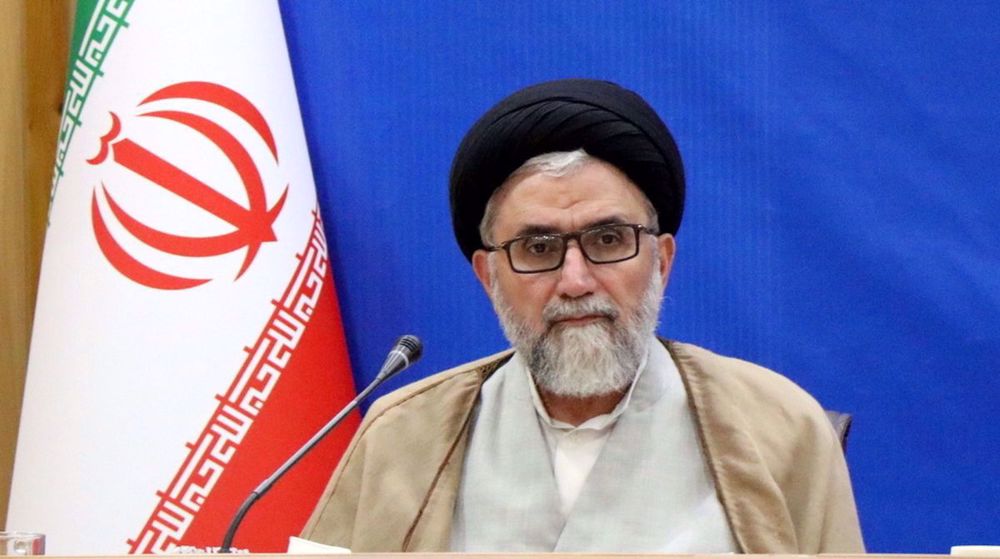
(566, 237)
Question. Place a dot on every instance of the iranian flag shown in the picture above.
(187, 337)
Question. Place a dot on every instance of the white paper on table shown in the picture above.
(300, 546)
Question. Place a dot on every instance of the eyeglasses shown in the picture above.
(604, 244)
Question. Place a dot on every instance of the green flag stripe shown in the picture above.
(96, 26)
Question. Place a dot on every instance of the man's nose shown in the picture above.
(575, 277)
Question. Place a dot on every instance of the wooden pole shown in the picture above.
(34, 46)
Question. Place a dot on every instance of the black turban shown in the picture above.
(608, 121)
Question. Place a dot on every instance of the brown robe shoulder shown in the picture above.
(775, 458)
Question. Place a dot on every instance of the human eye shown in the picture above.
(539, 245)
(608, 236)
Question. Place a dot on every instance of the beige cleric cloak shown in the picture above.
(777, 463)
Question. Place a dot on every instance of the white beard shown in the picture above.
(594, 359)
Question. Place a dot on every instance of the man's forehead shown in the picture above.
(595, 194)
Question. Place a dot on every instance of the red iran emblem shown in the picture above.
(249, 225)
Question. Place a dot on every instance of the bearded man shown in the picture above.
(591, 435)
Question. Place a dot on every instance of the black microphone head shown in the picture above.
(404, 353)
(411, 346)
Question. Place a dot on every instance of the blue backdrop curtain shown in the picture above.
(842, 219)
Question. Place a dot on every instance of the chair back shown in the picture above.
(842, 425)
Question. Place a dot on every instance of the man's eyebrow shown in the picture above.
(538, 229)
(532, 229)
(611, 220)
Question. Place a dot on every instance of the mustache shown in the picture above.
(559, 310)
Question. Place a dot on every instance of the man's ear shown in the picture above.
(481, 266)
(667, 246)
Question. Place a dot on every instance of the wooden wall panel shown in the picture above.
(14, 312)
(34, 43)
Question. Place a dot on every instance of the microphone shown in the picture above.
(404, 353)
